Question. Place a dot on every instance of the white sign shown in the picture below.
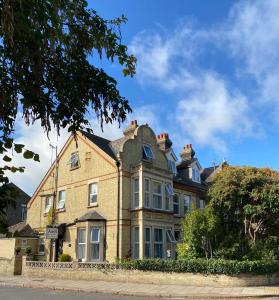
(51, 233)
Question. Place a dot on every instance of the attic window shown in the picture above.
(74, 161)
(147, 152)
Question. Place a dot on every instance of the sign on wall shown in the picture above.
(51, 233)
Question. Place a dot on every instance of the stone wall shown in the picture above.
(7, 248)
(90, 271)
(11, 266)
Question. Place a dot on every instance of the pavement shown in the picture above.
(142, 290)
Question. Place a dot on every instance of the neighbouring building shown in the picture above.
(17, 212)
(117, 199)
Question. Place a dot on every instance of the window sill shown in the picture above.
(147, 160)
(93, 205)
(60, 210)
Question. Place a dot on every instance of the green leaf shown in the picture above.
(7, 158)
(37, 157)
(28, 154)
(18, 148)
(8, 143)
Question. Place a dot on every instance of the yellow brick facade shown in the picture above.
(97, 166)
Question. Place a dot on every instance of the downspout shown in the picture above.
(118, 210)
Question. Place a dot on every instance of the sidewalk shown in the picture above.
(133, 289)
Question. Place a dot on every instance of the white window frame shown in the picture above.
(48, 206)
(93, 194)
(61, 201)
(158, 243)
(41, 241)
(149, 243)
(148, 156)
(92, 242)
(136, 193)
(147, 192)
(83, 243)
(74, 161)
(170, 235)
(176, 203)
(186, 203)
(136, 243)
(157, 195)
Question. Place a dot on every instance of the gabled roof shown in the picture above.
(102, 143)
(23, 230)
(91, 216)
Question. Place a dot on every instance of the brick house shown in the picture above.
(118, 199)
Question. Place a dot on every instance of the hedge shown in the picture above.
(200, 265)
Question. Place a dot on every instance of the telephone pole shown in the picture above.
(53, 215)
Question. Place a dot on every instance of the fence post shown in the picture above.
(23, 265)
(75, 264)
(17, 265)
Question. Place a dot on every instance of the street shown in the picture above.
(14, 293)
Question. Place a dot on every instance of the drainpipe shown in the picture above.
(118, 210)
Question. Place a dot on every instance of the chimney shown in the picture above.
(187, 153)
(164, 142)
(131, 128)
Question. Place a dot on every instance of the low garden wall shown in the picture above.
(111, 272)
(10, 266)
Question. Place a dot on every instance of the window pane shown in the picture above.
(157, 201)
(148, 154)
(147, 185)
(136, 251)
(81, 251)
(95, 251)
(136, 234)
(136, 185)
(158, 235)
(146, 200)
(81, 236)
(95, 235)
(147, 234)
(157, 187)
(61, 195)
(147, 250)
(158, 250)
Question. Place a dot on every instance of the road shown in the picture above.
(13, 293)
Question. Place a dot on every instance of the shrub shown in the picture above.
(65, 258)
(202, 265)
(28, 250)
(17, 250)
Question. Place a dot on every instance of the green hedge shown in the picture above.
(205, 266)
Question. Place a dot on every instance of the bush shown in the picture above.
(65, 258)
(202, 265)
(28, 250)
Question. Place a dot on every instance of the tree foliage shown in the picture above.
(198, 231)
(247, 201)
(49, 52)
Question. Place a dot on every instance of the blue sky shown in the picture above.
(207, 74)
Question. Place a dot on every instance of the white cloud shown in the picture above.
(211, 113)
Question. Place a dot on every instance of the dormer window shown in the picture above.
(147, 152)
(74, 161)
(172, 166)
